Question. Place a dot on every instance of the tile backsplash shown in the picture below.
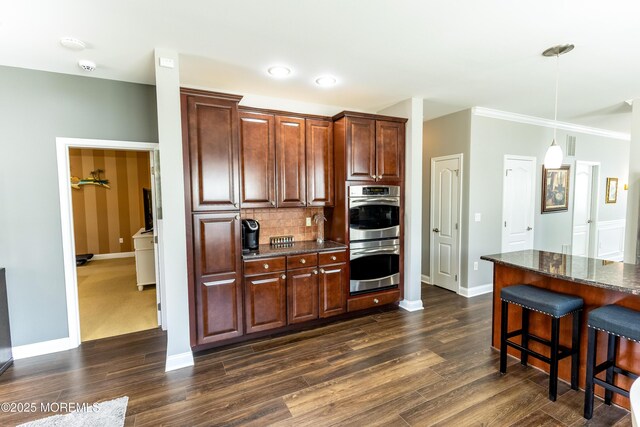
(284, 222)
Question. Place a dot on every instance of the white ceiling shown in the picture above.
(454, 54)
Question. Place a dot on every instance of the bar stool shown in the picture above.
(617, 322)
(555, 305)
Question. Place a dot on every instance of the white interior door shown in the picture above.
(518, 200)
(445, 203)
(583, 241)
(156, 203)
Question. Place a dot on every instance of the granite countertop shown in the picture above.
(265, 251)
(612, 275)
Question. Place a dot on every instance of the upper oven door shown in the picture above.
(374, 218)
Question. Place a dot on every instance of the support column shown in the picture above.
(633, 196)
(174, 241)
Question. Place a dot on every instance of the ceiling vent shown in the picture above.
(87, 65)
(571, 145)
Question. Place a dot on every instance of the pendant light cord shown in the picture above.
(555, 113)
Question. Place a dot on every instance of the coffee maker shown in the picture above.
(250, 235)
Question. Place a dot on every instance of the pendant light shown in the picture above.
(553, 158)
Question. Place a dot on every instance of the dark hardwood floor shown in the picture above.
(432, 367)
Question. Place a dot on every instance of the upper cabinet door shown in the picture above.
(212, 133)
(361, 149)
(389, 150)
(319, 141)
(257, 160)
(290, 161)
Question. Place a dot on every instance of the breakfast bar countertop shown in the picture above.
(266, 251)
(611, 275)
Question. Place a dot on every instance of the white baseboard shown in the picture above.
(179, 361)
(476, 290)
(425, 279)
(409, 305)
(113, 255)
(40, 348)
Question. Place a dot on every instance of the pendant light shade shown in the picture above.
(553, 158)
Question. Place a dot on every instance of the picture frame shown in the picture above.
(555, 189)
(612, 190)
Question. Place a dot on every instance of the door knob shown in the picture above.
(436, 230)
(529, 228)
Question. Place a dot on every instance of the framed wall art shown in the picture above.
(612, 190)
(555, 189)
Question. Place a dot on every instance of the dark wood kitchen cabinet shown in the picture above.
(373, 147)
(302, 294)
(217, 251)
(210, 134)
(333, 284)
(319, 149)
(257, 160)
(290, 162)
(265, 296)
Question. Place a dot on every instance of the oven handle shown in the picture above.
(372, 201)
(359, 253)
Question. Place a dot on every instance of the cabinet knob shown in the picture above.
(376, 300)
(303, 261)
(266, 266)
(273, 203)
(333, 258)
(284, 276)
(322, 270)
(235, 205)
(379, 176)
(373, 176)
(315, 271)
(237, 216)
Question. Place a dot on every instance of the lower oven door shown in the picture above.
(374, 265)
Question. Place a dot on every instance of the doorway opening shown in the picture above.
(585, 209)
(110, 232)
(446, 199)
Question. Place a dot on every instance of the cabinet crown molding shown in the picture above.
(368, 116)
(216, 95)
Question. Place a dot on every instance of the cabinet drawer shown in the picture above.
(332, 257)
(301, 261)
(264, 265)
(372, 300)
(145, 242)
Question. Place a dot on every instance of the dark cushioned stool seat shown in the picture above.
(551, 303)
(554, 305)
(616, 320)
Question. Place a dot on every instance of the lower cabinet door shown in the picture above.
(333, 282)
(302, 293)
(219, 315)
(265, 301)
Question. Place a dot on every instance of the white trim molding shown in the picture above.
(538, 121)
(476, 290)
(114, 255)
(40, 348)
(409, 305)
(178, 361)
(610, 239)
(425, 279)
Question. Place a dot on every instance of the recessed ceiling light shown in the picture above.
(279, 71)
(326, 81)
(72, 43)
(87, 65)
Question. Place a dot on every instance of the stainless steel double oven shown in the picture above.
(374, 237)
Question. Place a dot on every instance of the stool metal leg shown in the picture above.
(591, 365)
(553, 368)
(524, 356)
(503, 337)
(611, 358)
(575, 348)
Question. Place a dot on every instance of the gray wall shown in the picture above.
(444, 136)
(35, 108)
(491, 139)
